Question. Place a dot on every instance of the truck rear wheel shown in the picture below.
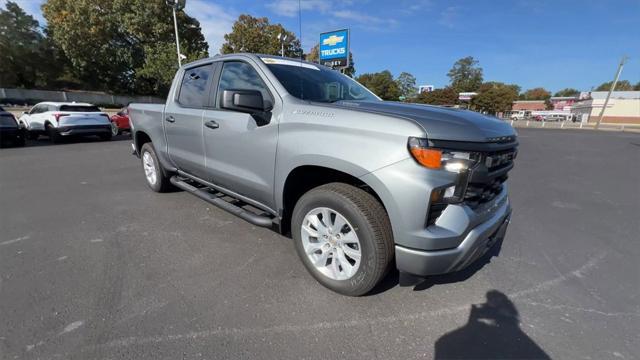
(153, 172)
(343, 237)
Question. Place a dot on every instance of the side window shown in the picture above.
(194, 86)
(35, 110)
(238, 75)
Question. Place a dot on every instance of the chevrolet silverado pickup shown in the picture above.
(357, 182)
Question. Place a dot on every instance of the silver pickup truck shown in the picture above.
(357, 182)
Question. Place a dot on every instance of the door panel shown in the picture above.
(183, 120)
(240, 155)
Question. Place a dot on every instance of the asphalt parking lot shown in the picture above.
(95, 265)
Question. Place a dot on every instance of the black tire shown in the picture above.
(20, 142)
(162, 184)
(371, 224)
(54, 136)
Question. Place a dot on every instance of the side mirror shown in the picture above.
(248, 101)
(24, 113)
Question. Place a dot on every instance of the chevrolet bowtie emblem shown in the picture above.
(332, 40)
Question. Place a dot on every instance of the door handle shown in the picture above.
(211, 124)
(170, 119)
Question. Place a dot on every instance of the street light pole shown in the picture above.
(282, 37)
(613, 86)
(175, 26)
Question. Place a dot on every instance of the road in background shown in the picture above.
(95, 265)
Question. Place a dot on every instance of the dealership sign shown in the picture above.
(334, 48)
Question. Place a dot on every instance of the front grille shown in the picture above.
(497, 160)
(480, 193)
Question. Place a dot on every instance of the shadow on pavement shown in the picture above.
(492, 332)
(463, 274)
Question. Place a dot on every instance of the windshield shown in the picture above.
(317, 83)
(79, 108)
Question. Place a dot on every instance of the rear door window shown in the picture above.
(194, 89)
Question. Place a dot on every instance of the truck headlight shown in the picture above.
(449, 160)
(458, 162)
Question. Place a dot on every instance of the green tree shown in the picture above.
(257, 35)
(446, 96)
(622, 85)
(24, 51)
(494, 97)
(536, 94)
(636, 86)
(381, 84)
(122, 45)
(314, 56)
(465, 75)
(567, 92)
(407, 85)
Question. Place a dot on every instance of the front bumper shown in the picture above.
(460, 235)
(475, 244)
(84, 130)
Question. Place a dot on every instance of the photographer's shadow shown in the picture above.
(492, 332)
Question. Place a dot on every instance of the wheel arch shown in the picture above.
(303, 178)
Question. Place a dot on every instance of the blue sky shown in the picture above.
(553, 44)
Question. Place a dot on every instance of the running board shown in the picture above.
(203, 194)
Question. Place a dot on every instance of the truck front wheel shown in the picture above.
(153, 173)
(343, 237)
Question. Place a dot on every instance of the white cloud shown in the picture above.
(290, 7)
(215, 21)
(362, 18)
(449, 16)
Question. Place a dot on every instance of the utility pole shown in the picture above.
(613, 86)
(175, 6)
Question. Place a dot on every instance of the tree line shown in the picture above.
(128, 47)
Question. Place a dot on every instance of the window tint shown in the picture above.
(7, 120)
(193, 90)
(1, 108)
(35, 110)
(238, 75)
(78, 108)
(317, 83)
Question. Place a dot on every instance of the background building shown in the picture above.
(563, 103)
(623, 107)
(531, 105)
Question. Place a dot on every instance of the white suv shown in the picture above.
(58, 119)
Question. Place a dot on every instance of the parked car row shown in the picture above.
(58, 120)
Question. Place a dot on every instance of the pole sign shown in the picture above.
(334, 48)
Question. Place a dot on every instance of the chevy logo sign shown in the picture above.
(334, 48)
(332, 40)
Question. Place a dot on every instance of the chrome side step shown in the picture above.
(255, 219)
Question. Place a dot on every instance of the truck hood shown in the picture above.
(440, 123)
